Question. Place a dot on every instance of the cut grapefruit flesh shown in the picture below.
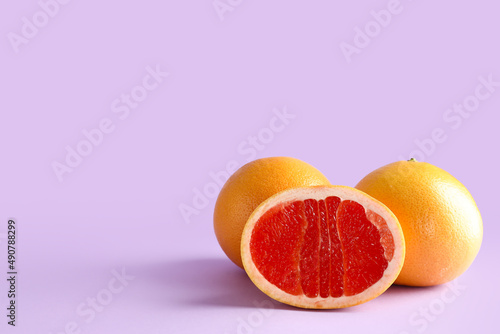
(322, 247)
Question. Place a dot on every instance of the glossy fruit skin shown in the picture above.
(248, 187)
(441, 223)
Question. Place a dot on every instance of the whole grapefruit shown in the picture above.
(441, 223)
(248, 187)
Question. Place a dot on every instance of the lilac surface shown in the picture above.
(230, 73)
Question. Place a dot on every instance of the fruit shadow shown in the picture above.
(397, 292)
(209, 283)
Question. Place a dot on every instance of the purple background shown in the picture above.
(119, 209)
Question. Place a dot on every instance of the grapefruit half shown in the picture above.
(322, 247)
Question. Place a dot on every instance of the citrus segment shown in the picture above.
(309, 254)
(364, 260)
(324, 252)
(277, 242)
(323, 249)
(336, 259)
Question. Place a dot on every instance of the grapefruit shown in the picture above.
(441, 223)
(248, 187)
(322, 247)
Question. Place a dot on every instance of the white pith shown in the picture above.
(319, 193)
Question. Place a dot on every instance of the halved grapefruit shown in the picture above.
(322, 247)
